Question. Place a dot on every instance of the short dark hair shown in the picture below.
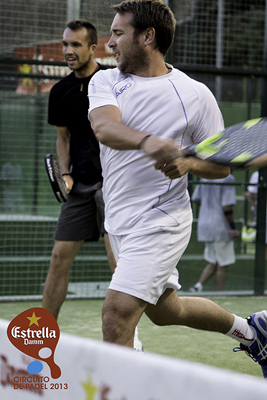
(77, 24)
(151, 14)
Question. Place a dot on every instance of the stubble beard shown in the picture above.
(135, 62)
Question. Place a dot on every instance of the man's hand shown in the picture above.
(175, 169)
(163, 151)
(180, 166)
(68, 182)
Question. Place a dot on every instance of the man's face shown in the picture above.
(129, 50)
(75, 49)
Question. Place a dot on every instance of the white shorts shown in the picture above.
(222, 253)
(146, 263)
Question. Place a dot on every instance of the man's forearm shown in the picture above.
(110, 131)
(118, 136)
(208, 170)
(63, 154)
(180, 166)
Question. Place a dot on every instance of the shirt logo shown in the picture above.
(123, 88)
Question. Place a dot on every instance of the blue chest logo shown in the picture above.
(123, 88)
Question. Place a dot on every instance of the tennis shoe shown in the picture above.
(257, 350)
(195, 289)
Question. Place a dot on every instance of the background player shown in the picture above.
(217, 228)
(81, 219)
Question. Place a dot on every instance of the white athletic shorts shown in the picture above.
(222, 253)
(146, 262)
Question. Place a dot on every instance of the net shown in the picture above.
(221, 33)
(210, 36)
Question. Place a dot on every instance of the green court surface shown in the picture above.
(83, 318)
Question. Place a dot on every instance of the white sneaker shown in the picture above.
(195, 289)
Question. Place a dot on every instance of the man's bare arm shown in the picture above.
(110, 131)
(201, 168)
(63, 154)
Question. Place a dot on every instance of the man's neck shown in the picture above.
(156, 67)
(155, 72)
(87, 71)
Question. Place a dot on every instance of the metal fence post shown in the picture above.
(259, 271)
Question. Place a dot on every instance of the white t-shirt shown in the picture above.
(254, 179)
(212, 223)
(137, 197)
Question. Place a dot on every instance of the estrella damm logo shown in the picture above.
(35, 332)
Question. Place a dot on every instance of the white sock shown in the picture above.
(136, 339)
(242, 331)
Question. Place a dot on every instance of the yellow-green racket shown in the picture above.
(243, 145)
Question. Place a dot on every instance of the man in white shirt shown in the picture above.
(216, 227)
(142, 112)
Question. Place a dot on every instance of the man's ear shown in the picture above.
(149, 36)
(93, 47)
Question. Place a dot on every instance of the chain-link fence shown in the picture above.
(219, 42)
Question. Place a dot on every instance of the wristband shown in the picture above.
(232, 225)
(67, 173)
(142, 142)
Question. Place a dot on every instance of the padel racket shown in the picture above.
(57, 182)
(242, 145)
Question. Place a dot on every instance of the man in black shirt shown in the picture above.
(81, 219)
